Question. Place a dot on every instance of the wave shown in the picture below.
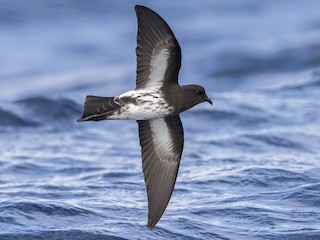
(44, 208)
(61, 234)
(8, 118)
(269, 178)
(240, 64)
(245, 117)
(40, 111)
(49, 109)
(308, 80)
(278, 141)
(307, 194)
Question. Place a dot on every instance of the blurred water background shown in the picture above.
(250, 167)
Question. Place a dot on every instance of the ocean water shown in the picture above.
(251, 163)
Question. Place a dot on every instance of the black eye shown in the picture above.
(198, 92)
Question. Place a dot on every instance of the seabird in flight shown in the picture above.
(155, 103)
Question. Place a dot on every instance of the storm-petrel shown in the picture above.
(155, 104)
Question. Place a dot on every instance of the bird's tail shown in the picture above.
(98, 108)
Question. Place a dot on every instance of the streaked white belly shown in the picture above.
(146, 104)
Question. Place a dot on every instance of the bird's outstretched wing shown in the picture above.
(161, 140)
(158, 51)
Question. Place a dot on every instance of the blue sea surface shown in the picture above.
(251, 163)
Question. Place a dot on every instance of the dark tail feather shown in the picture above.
(98, 108)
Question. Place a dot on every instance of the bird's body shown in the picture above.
(141, 104)
(155, 104)
(144, 104)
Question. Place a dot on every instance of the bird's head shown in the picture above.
(195, 94)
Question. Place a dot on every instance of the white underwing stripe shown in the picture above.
(158, 67)
(163, 143)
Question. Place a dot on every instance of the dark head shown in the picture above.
(194, 94)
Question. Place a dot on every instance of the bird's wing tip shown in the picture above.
(140, 8)
(151, 225)
(137, 7)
